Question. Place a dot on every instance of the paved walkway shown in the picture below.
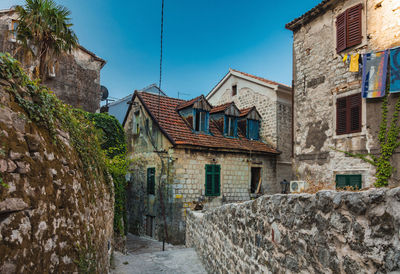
(145, 256)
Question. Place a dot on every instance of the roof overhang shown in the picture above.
(225, 150)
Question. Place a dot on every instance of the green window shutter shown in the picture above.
(209, 179)
(340, 181)
(354, 181)
(217, 180)
(151, 180)
(212, 184)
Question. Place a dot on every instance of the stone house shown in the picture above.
(329, 113)
(76, 81)
(274, 102)
(191, 151)
(119, 108)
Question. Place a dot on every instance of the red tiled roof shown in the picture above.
(179, 133)
(245, 111)
(188, 103)
(259, 78)
(220, 108)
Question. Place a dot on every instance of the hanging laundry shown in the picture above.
(354, 62)
(374, 74)
(345, 58)
(395, 70)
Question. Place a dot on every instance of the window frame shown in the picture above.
(348, 117)
(151, 185)
(215, 171)
(13, 30)
(347, 178)
(202, 127)
(228, 121)
(234, 89)
(248, 129)
(347, 27)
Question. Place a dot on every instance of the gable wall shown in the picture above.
(251, 94)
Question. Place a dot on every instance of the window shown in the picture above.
(354, 181)
(348, 114)
(230, 128)
(201, 121)
(13, 30)
(151, 180)
(234, 90)
(213, 180)
(255, 179)
(348, 28)
(252, 129)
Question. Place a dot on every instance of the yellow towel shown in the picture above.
(354, 62)
(344, 58)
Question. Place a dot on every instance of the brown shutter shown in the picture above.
(354, 111)
(341, 32)
(341, 117)
(353, 26)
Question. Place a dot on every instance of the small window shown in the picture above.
(348, 114)
(253, 129)
(234, 90)
(13, 30)
(230, 126)
(255, 179)
(213, 180)
(201, 121)
(151, 180)
(348, 28)
(354, 181)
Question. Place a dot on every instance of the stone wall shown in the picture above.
(77, 79)
(329, 232)
(54, 216)
(320, 77)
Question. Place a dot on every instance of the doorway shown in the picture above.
(255, 186)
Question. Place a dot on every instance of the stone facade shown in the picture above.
(274, 103)
(329, 232)
(180, 178)
(320, 77)
(52, 217)
(77, 80)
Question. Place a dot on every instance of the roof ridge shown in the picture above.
(256, 76)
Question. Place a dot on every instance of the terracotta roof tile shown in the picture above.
(173, 125)
(259, 78)
(220, 108)
(188, 103)
(245, 111)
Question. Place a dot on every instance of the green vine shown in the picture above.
(388, 140)
(114, 145)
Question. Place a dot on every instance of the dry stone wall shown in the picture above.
(329, 232)
(53, 219)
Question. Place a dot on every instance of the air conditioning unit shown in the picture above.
(298, 186)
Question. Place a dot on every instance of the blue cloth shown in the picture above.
(395, 70)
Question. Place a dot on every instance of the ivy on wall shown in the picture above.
(114, 145)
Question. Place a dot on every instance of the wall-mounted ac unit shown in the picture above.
(298, 186)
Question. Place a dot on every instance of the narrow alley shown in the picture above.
(145, 255)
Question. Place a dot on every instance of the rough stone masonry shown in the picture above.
(329, 232)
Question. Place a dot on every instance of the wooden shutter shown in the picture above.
(341, 32)
(353, 26)
(209, 179)
(341, 116)
(217, 180)
(354, 113)
(340, 181)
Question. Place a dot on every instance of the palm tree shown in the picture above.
(44, 32)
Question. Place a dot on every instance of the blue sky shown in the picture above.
(202, 40)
